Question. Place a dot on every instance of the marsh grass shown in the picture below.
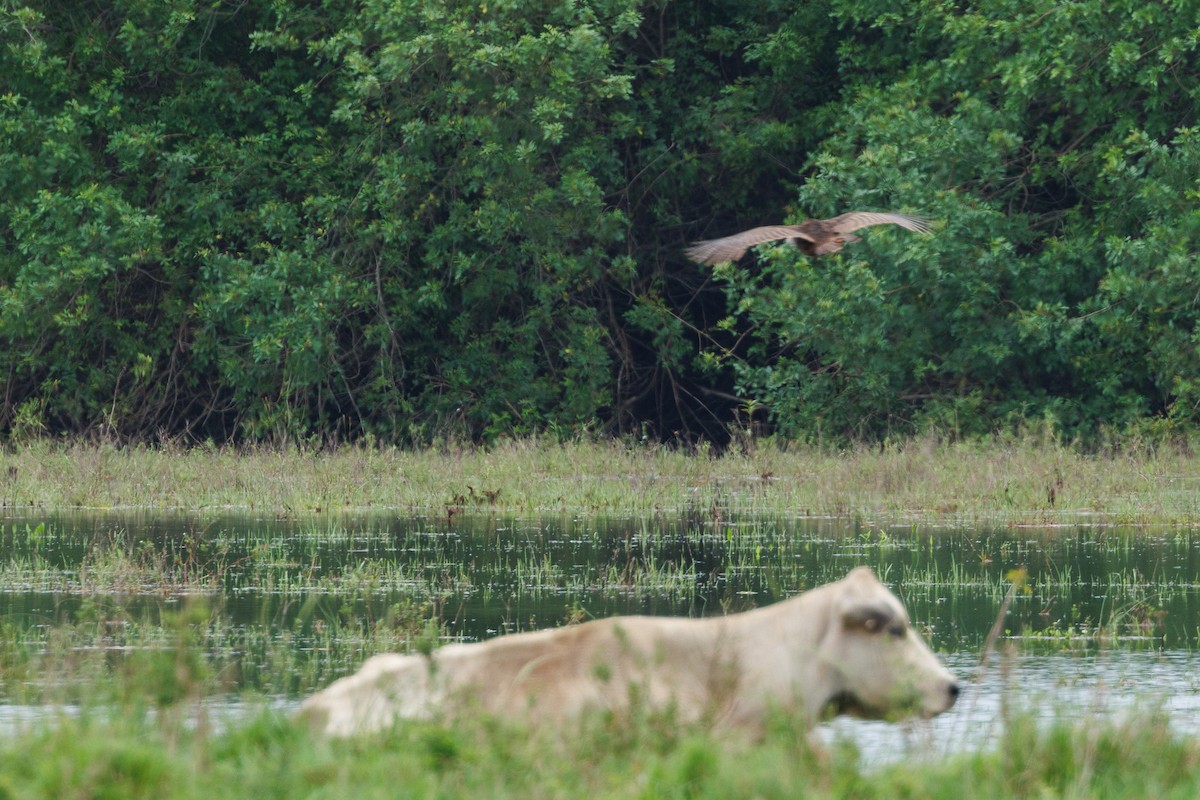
(1020, 481)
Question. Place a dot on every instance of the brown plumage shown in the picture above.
(814, 237)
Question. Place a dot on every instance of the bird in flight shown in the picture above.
(814, 237)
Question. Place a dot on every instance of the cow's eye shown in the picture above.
(896, 631)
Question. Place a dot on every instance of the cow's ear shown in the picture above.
(869, 617)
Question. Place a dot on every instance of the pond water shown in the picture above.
(1107, 618)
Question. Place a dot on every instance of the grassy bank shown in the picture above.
(270, 757)
(1006, 480)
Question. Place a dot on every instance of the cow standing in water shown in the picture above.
(846, 647)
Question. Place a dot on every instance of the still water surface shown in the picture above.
(1108, 619)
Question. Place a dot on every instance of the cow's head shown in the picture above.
(880, 665)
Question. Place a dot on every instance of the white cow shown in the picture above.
(846, 647)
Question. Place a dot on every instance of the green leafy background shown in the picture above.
(275, 220)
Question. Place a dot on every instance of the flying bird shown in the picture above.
(814, 237)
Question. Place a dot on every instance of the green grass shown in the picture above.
(164, 756)
(1015, 481)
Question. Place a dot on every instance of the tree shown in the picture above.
(1055, 144)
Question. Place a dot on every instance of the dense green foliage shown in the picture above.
(1055, 142)
(237, 220)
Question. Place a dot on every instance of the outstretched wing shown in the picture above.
(865, 219)
(731, 248)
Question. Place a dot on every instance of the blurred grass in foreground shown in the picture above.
(269, 756)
